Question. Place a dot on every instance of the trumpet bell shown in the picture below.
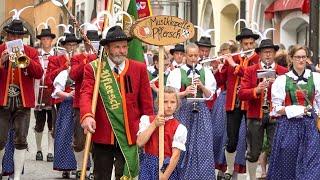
(22, 61)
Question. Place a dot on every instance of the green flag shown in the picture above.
(135, 50)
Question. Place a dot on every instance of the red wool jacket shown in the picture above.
(26, 78)
(76, 73)
(248, 93)
(138, 102)
(232, 77)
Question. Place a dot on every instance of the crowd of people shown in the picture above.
(255, 103)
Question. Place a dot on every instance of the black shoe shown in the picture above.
(50, 157)
(220, 177)
(78, 174)
(227, 176)
(39, 156)
(65, 175)
(91, 177)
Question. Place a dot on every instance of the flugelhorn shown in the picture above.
(18, 58)
(265, 105)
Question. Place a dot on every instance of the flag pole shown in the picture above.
(161, 106)
(94, 101)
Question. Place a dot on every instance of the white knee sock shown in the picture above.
(230, 158)
(252, 168)
(79, 159)
(18, 158)
(1, 157)
(38, 136)
(50, 142)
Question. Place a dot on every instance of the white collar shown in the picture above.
(168, 118)
(120, 67)
(186, 68)
(263, 64)
(151, 69)
(174, 63)
(306, 75)
(51, 52)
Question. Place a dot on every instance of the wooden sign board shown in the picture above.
(162, 30)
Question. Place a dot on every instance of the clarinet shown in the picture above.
(195, 108)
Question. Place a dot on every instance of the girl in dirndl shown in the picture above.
(296, 146)
(174, 140)
(64, 158)
(193, 80)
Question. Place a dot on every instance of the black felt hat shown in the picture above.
(93, 35)
(70, 37)
(15, 27)
(247, 33)
(205, 41)
(46, 33)
(177, 47)
(266, 43)
(114, 34)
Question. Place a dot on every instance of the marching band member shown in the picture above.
(124, 96)
(63, 93)
(193, 80)
(43, 109)
(257, 93)
(178, 53)
(204, 43)
(232, 72)
(175, 139)
(17, 93)
(76, 74)
(296, 143)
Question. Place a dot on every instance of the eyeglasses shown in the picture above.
(300, 57)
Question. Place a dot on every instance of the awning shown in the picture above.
(286, 5)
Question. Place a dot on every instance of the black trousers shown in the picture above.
(20, 118)
(42, 116)
(104, 157)
(233, 126)
(255, 135)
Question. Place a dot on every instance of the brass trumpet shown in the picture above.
(265, 105)
(19, 59)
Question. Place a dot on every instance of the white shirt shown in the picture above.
(51, 52)
(174, 79)
(263, 65)
(175, 64)
(120, 67)
(278, 94)
(179, 137)
(59, 83)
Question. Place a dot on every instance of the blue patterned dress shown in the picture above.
(64, 159)
(7, 161)
(296, 146)
(220, 137)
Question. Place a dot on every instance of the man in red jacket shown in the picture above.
(17, 95)
(257, 92)
(231, 74)
(124, 96)
(76, 74)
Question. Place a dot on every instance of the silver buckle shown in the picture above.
(13, 90)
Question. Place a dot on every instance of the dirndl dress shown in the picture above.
(149, 167)
(7, 161)
(220, 137)
(197, 162)
(64, 159)
(295, 150)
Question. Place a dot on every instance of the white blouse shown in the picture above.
(278, 94)
(59, 83)
(174, 79)
(179, 138)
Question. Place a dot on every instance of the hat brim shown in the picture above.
(104, 42)
(46, 35)
(275, 47)
(176, 50)
(254, 36)
(78, 41)
(7, 30)
(205, 45)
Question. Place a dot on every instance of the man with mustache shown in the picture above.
(124, 96)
